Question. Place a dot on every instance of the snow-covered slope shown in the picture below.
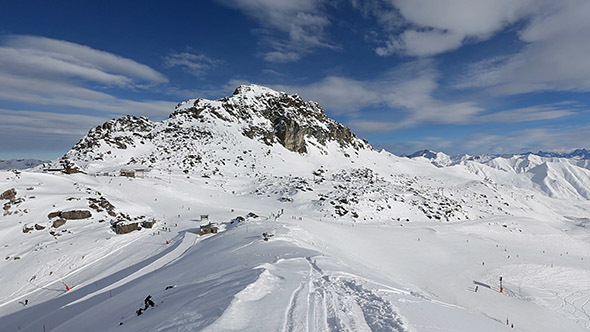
(354, 239)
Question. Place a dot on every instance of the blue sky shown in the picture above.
(459, 76)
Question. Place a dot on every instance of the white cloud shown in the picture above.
(55, 93)
(45, 56)
(532, 139)
(554, 58)
(518, 141)
(48, 122)
(438, 26)
(555, 39)
(339, 94)
(533, 113)
(41, 134)
(408, 94)
(371, 126)
(421, 43)
(194, 64)
(290, 29)
(406, 91)
(56, 73)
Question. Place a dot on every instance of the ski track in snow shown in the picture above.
(338, 304)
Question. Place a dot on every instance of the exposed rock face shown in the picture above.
(9, 194)
(121, 228)
(99, 204)
(58, 223)
(292, 119)
(148, 224)
(75, 214)
(39, 227)
(103, 133)
(52, 215)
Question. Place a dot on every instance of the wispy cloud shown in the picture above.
(44, 134)
(42, 71)
(531, 139)
(289, 29)
(554, 57)
(533, 113)
(38, 73)
(434, 27)
(516, 141)
(49, 122)
(194, 64)
(406, 93)
(33, 55)
(555, 39)
(47, 92)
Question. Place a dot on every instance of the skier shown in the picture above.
(476, 288)
(26, 301)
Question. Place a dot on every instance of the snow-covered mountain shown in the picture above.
(20, 163)
(564, 175)
(197, 128)
(313, 230)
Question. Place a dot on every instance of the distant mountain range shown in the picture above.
(556, 174)
(20, 163)
(577, 153)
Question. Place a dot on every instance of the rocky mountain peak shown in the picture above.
(255, 90)
(253, 115)
(272, 116)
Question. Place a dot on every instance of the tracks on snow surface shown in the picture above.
(334, 303)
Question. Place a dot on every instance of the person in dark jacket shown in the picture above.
(148, 302)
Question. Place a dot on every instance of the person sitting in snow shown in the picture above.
(148, 302)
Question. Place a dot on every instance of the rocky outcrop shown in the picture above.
(107, 133)
(58, 223)
(76, 214)
(293, 120)
(9, 194)
(121, 228)
(102, 204)
(148, 224)
(70, 215)
(52, 215)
